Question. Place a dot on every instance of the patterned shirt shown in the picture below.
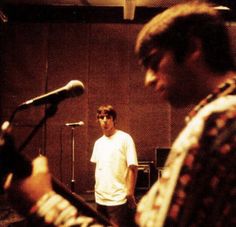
(197, 187)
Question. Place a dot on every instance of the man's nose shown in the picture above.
(105, 118)
(150, 78)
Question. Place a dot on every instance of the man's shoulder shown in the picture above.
(99, 139)
(222, 120)
(220, 105)
(122, 133)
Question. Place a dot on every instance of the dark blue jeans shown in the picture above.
(120, 215)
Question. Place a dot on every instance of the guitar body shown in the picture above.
(12, 161)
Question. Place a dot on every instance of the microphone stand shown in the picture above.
(73, 159)
(11, 156)
(50, 111)
(73, 125)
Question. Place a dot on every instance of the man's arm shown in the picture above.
(131, 182)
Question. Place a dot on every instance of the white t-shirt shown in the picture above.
(113, 155)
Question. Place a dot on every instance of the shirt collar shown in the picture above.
(226, 88)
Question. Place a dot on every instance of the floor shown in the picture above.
(9, 218)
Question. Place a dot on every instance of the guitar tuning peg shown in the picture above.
(6, 127)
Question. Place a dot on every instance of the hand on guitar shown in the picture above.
(33, 196)
(33, 192)
(24, 193)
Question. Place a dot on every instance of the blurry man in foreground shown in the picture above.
(187, 56)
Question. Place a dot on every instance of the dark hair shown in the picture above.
(174, 29)
(106, 110)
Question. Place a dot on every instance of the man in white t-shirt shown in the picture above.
(116, 170)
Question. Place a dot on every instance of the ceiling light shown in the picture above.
(129, 9)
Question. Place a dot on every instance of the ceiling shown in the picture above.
(109, 3)
(130, 8)
(112, 3)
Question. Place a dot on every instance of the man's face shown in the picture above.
(174, 81)
(106, 122)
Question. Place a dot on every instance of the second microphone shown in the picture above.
(75, 124)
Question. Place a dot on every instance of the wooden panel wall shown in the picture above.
(40, 57)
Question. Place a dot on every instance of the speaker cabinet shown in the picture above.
(161, 155)
(146, 175)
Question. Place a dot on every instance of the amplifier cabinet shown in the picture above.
(161, 156)
(145, 175)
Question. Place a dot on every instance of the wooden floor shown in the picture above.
(10, 218)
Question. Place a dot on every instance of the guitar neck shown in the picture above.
(20, 165)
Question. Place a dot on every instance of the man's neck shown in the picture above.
(109, 133)
(215, 80)
(211, 82)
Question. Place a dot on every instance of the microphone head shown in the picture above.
(75, 87)
(75, 124)
(72, 89)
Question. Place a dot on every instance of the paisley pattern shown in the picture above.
(197, 184)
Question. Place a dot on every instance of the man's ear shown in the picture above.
(195, 50)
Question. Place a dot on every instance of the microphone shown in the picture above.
(75, 124)
(71, 89)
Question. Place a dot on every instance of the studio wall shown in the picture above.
(40, 57)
